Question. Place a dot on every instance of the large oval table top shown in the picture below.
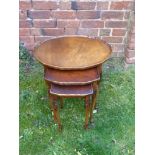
(74, 52)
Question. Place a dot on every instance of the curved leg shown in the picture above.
(97, 84)
(92, 106)
(49, 96)
(87, 103)
(100, 70)
(56, 113)
(96, 91)
(50, 102)
(95, 97)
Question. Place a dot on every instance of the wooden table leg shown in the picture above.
(56, 113)
(100, 70)
(87, 104)
(92, 106)
(50, 103)
(49, 96)
(96, 91)
(97, 84)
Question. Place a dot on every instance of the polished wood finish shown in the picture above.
(94, 96)
(72, 68)
(87, 104)
(55, 111)
(72, 53)
(71, 91)
(96, 92)
(71, 77)
(50, 99)
(76, 85)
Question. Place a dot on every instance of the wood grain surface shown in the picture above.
(71, 77)
(72, 52)
(71, 90)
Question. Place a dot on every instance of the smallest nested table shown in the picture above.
(84, 91)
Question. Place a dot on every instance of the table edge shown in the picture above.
(72, 68)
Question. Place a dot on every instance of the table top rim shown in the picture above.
(48, 71)
(72, 68)
(54, 86)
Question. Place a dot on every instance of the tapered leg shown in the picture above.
(92, 106)
(49, 96)
(50, 102)
(100, 70)
(97, 84)
(96, 90)
(56, 113)
(87, 104)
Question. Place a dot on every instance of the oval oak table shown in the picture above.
(72, 68)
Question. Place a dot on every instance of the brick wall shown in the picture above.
(130, 44)
(109, 20)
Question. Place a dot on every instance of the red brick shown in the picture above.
(39, 39)
(24, 31)
(65, 5)
(122, 5)
(112, 15)
(88, 32)
(102, 5)
(35, 32)
(118, 32)
(63, 14)
(131, 46)
(105, 32)
(133, 28)
(88, 14)
(44, 14)
(28, 41)
(92, 24)
(129, 60)
(52, 32)
(44, 23)
(126, 15)
(44, 5)
(24, 5)
(83, 5)
(71, 31)
(68, 23)
(25, 24)
(113, 39)
(22, 14)
(116, 24)
(130, 53)
(132, 37)
(117, 47)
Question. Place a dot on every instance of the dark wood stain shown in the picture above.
(72, 52)
(71, 77)
(72, 68)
